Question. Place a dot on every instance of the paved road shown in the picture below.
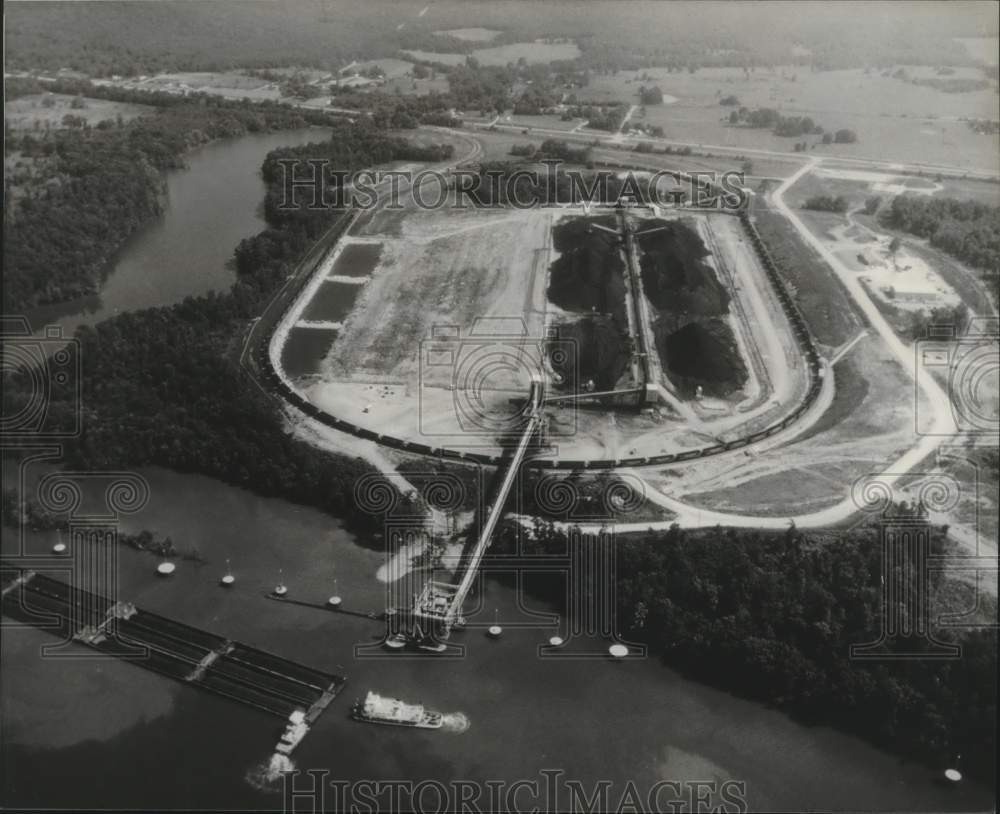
(875, 163)
(943, 426)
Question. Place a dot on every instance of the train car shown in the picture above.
(714, 449)
(742, 442)
(657, 460)
(689, 455)
(631, 462)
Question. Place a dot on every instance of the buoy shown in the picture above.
(165, 569)
(618, 651)
(335, 600)
(494, 631)
(954, 775)
(556, 641)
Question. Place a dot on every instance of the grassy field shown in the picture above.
(23, 113)
(823, 300)
(895, 120)
(471, 34)
(531, 52)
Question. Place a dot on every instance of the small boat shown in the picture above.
(396, 641)
(378, 710)
(59, 547)
(280, 589)
(165, 569)
(556, 641)
(618, 651)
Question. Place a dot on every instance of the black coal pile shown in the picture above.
(702, 353)
(675, 276)
(590, 354)
(587, 277)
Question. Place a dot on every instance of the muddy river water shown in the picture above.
(82, 732)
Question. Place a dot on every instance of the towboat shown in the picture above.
(294, 732)
(378, 710)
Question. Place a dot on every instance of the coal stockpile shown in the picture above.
(591, 354)
(702, 353)
(587, 277)
(675, 276)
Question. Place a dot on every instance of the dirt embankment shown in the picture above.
(587, 278)
(695, 343)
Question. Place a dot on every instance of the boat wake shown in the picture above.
(454, 722)
(267, 776)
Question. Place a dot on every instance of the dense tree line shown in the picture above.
(965, 229)
(772, 616)
(600, 117)
(90, 188)
(769, 118)
(162, 386)
(826, 203)
(651, 95)
(141, 38)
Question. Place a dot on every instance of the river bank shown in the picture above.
(88, 733)
(210, 205)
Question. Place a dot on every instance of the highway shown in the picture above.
(616, 139)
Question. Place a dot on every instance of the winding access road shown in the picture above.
(943, 427)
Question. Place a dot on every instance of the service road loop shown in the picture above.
(943, 428)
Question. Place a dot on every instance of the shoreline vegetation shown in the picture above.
(771, 616)
(162, 386)
(25, 513)
(75, 194)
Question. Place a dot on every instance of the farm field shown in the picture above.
(531, 52)
(895, 120)
(48, 109)
(471, 34)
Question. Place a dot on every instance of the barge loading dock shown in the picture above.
(237, 671)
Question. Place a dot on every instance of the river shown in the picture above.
(97, 733)
(85, 733)
(211, 205)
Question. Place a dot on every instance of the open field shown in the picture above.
(894, 119)
(440, 271)
(870, 422)
(531, 52)
(48, 110)
(826, 306)
(471, 34)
